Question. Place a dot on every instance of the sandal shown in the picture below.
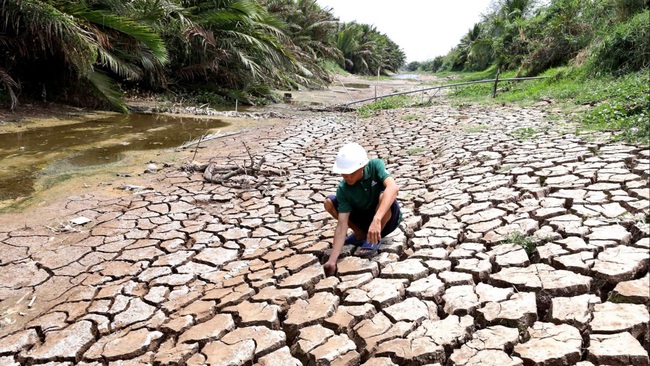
(368, 249)
(351, 239)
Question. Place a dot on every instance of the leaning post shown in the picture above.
(496, 81)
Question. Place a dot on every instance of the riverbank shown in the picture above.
(52, 185)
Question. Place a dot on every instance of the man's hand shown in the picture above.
(374, 231)
(329, 268)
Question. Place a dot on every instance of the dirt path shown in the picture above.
(521, 243)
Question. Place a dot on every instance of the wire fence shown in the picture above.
(495, 81)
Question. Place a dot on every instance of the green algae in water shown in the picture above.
(98, 142)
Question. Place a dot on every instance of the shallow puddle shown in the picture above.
(23, 155)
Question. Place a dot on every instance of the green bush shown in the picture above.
(211, 98)
(625, 109)
(625, 49)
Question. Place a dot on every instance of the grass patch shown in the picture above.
(399, 101)
(409, 117)
(620, 104)
(506, 168)
(526, 242)
(414, 150)
(475, 129)
(523, 133)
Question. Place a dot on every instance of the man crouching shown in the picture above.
(365, 201)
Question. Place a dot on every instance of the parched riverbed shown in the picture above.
(522, 243)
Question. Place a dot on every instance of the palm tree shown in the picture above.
(504, 27)
(81, 40)
(311, 33)
(360, 48)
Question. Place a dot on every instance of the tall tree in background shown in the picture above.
(504, 26)
(366, 51)
(521, 35)
(311, 33)
(46, 43)
(234, 45)
(232, 49)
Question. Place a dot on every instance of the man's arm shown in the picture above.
(337, 246)
(387, 199)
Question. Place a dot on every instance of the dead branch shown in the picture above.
(216, 173)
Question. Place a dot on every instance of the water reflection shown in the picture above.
(91, 143)
(405, 76)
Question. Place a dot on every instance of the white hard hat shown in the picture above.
(350, 158)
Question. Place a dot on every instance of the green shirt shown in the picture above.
(364, 194)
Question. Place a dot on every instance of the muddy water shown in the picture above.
(24, 156)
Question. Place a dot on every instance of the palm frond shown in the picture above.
(118, 65)
(108, 90)
(11, 85)
(125, 26)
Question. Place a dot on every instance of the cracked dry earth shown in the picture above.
(197, 273)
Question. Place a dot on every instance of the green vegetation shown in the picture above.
(409, 117)
(366, 51)
(414, 150)
(89, 52)
(524, 133)
(398, 101)
(526, 242)
(620, 103)
(506, 168)
(475, 129)
(594, 53)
